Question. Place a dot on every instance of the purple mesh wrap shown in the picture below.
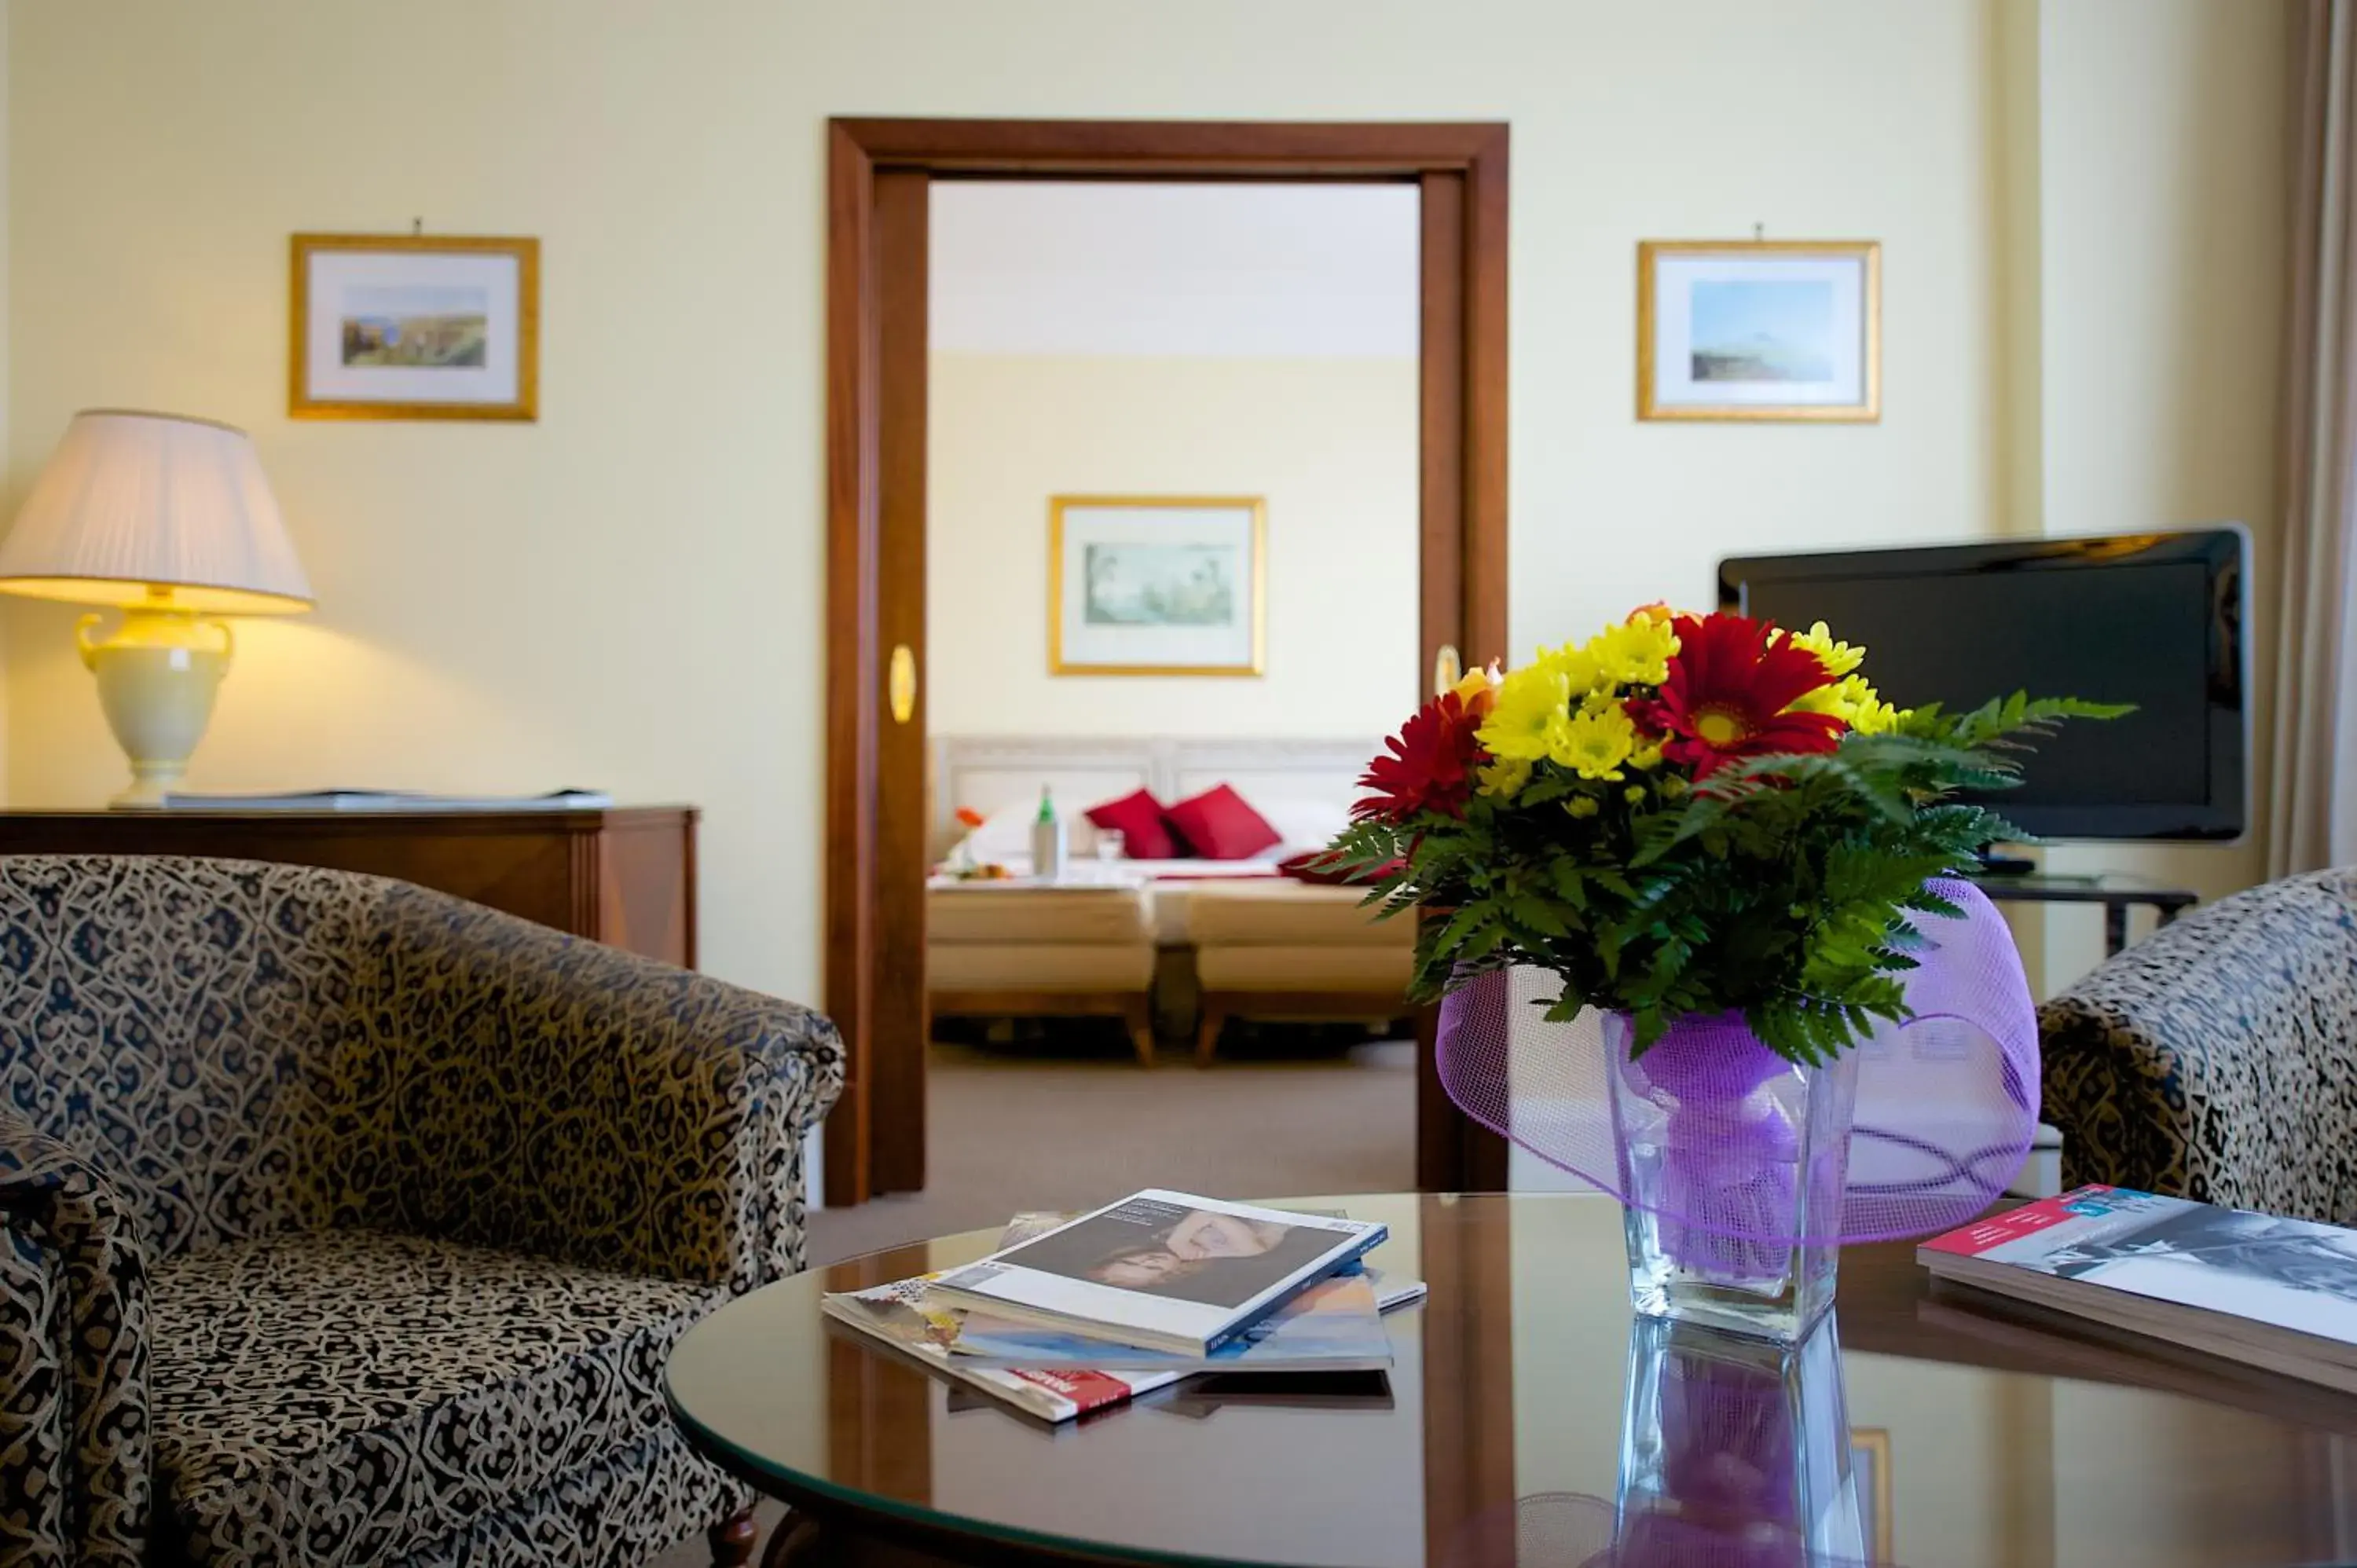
(1946, 1102)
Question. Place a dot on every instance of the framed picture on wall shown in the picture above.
(1157, 584)
(1760, 330)
(411, 327)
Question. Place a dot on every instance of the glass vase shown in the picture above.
(1734, 1161)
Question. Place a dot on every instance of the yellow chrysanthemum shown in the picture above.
(1578, 667)
(1839, 657)
(1528, 702)
(1636, 793)
(1504, 780)
(1581, 806)
(1594, 744)
(1854, 701)
(1635, 653)
(1646, 757)
(1873, 715)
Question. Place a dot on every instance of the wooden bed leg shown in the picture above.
(1207, 1037)
(1140, 1016)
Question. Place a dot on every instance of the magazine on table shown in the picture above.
(1160, 1269)
(1335, 1325)
(2280, 1295)
(904, 1315)
(1332, 1327)
(900, 1315)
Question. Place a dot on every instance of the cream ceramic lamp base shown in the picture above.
(156, 678)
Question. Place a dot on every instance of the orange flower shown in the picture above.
(969, 817)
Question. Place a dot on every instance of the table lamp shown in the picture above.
(169, 518)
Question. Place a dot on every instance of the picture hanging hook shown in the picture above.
(417, 226)
(1759, 232)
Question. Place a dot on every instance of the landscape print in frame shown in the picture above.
(414, 326)
(1157, 584)
(1760, 330)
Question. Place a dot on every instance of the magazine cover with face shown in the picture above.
(1162, 1270)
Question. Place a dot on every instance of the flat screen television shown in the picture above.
(2157, 620)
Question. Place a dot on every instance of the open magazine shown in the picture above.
(1161, 1270)
(2279, 1295)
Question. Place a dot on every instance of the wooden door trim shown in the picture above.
(1462, 423)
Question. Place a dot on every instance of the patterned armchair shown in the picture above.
(345, 1222)
(2218, 1058)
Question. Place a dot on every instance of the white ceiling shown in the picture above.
(1275, 271)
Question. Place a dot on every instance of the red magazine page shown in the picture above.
(1971, 1241)
(1088, 1390)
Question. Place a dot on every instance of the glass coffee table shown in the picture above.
(1506, 1426)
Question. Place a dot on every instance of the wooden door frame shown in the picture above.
(874, 429)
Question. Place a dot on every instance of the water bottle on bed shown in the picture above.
(1047, 840)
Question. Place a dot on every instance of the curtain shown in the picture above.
(2313, 819)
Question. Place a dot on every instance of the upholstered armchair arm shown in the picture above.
(547, 1093)
(74, 1445)
(2217, 1060)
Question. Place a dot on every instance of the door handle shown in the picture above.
(1447, 669)
(903, 684)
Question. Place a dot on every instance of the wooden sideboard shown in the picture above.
(625, 876)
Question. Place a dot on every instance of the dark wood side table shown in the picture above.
(2116, 893)
(623, 875)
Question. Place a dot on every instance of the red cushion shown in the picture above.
(1138, 816)
(1218, 825)
(1306, 867)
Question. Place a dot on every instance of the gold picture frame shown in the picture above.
(1848, 389)
(1218, 520)
(509, 367)
(1873, 1443)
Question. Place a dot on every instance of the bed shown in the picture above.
(1277, 945)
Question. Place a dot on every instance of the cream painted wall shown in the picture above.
(628, 593)
(5, 15)
(1330, 444)
(2161, 132)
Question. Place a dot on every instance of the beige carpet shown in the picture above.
(1011, 1133)
(1030, 1132)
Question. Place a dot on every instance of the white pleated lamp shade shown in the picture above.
(154, 510)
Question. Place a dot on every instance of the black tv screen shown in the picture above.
(2152, 619)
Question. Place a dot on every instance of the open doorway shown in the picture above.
(887, 793)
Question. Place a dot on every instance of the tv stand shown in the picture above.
(2118, 893)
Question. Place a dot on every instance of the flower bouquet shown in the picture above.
(1714, 833)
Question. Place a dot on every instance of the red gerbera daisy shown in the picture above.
(1428, 765)
(1726, 693)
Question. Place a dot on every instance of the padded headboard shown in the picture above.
(992, 772)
